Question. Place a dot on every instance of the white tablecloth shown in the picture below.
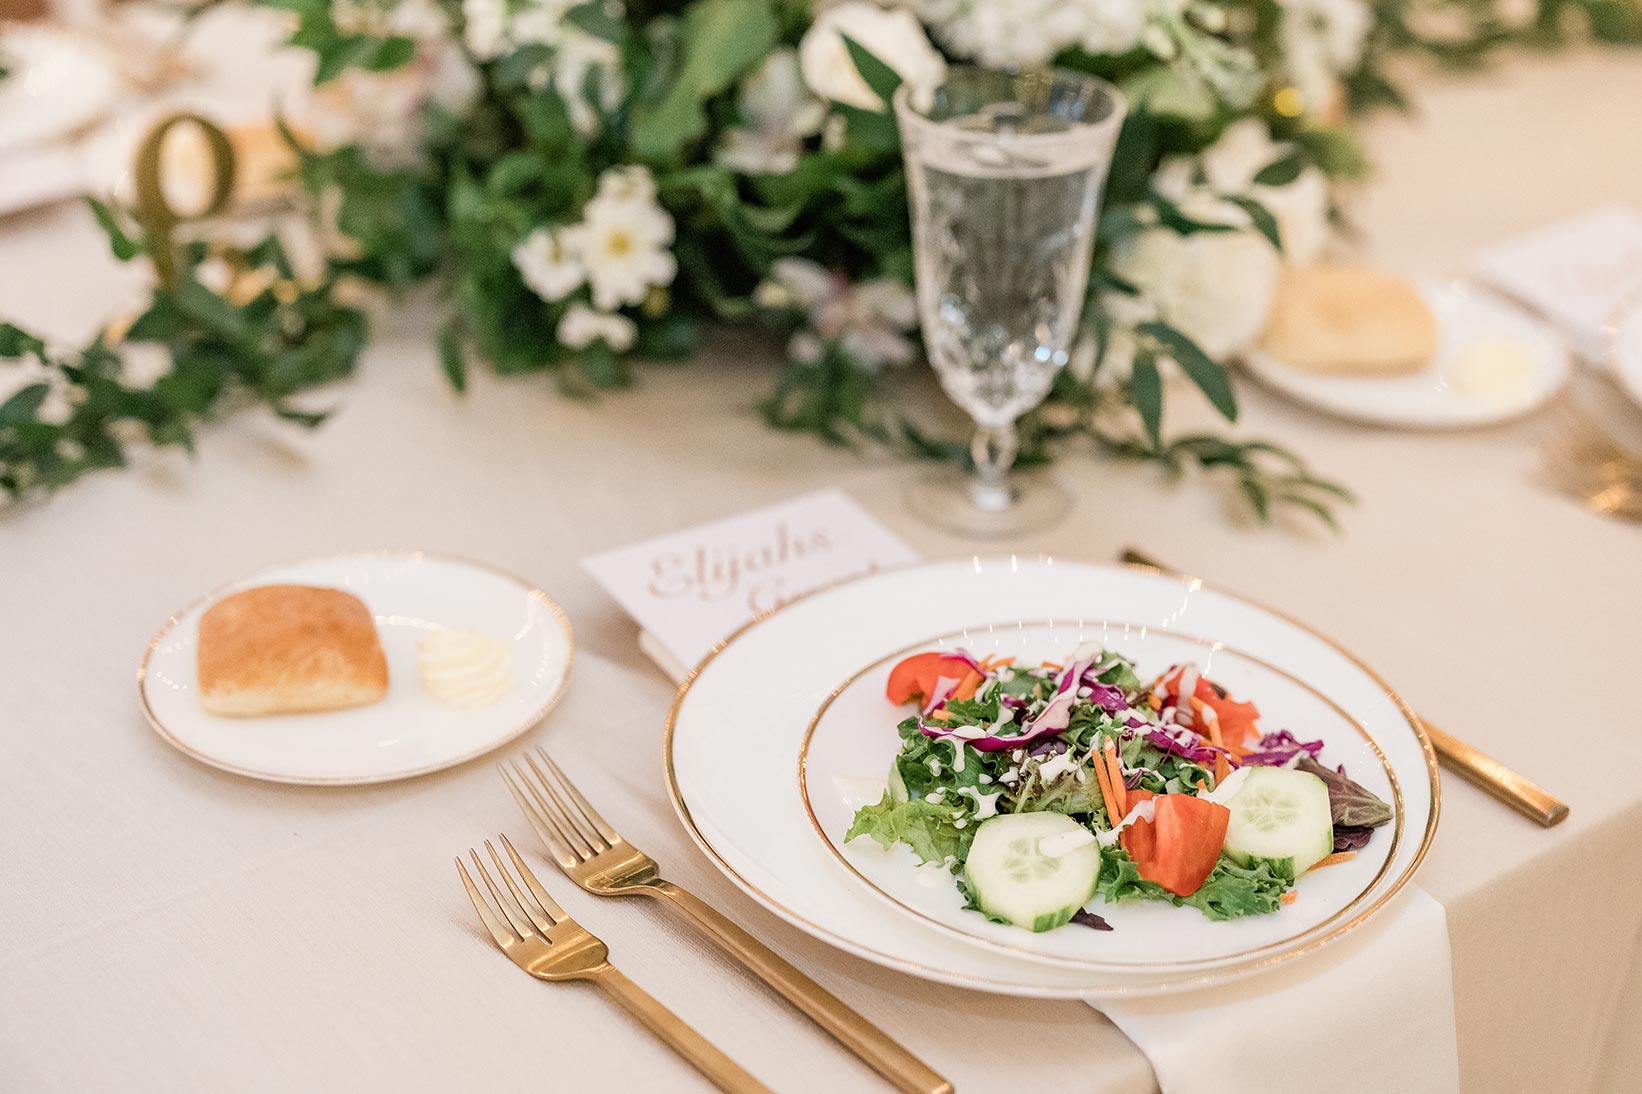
(164, 926)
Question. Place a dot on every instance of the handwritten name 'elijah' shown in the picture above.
(719, 572)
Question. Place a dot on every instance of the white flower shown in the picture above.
(623, 238)
(578, 57)
(1216, 287)
(1022, 33)
(484, 28)
(777, 112)
(549, 264)
(632, 184)
(1112, 26)
(1322, 41)
(422, 20)
(382, 111)
(1229, 166)
(582, 326)
(143, 364)
(894, 36)
(869, 320)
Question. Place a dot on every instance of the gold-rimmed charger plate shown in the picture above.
(407, 733)
(738, 724)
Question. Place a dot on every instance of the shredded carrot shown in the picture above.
(1336, 857)
(1107, 798)
(1207, 717)
(1203, 786)
(1114, 771)
(940, 716)
(966, 687)
(1289, 897)
(1155, 702)
(1002, 661)
(1053, 665)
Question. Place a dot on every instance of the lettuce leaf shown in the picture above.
(1232, 890)
(928, 828)
(1229, 891)
(1353, 805)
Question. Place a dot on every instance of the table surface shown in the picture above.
(166, 926)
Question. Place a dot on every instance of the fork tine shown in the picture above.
(521, 923)
(532, 910)
(592, 815)
(549, 905)
(554, 810)
(543, 824)
(583, 832)
(504, 938)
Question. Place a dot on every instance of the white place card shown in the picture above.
(689, 589)
(1576, 273)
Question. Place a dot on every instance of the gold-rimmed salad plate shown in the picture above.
(782, 733)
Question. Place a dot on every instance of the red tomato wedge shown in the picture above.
(1179, 846)
(916, 676)
(1236, 720)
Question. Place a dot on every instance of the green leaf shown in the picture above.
(926, 827)
(593, 19)
(1281, 171)
(22, 406)
(1146, 391)
(1263, 221)
(124, 247)
(1210, 378)
(451, 358)
(721, 40)
(17, 342)
(210, 311)
(305, 418)
(391, 53)
(880, 77)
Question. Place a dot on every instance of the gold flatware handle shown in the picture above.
(724, 1072)
(880, 1052)
(1496, 779)
(1475, 767)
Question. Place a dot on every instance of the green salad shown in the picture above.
(1049, 789)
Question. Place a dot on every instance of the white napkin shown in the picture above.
(1372, 1011)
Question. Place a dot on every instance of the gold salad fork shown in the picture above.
(594, 856)
(539, 937)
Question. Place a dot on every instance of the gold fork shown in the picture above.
(594, 856)
(540, 938)
(1477, 768)
(1587, 462)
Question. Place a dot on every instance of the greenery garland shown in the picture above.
(757, 196)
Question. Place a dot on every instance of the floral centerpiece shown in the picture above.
(591, 182)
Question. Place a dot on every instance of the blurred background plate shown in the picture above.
(59, 84)
(1494, 362)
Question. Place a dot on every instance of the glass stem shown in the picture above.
(993, 449)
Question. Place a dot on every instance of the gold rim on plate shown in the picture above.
(1076, 962)
(412, 555)
(1152, 987)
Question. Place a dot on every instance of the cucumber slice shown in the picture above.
(1032, 869)
(1279, 813)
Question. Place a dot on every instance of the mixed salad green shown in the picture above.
(1043, 787)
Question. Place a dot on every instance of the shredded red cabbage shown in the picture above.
(1277, 749)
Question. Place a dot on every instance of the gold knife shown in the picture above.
(1475, 767)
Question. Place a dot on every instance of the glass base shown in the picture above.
(954, 500)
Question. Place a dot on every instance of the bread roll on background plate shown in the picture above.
(286, 649)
